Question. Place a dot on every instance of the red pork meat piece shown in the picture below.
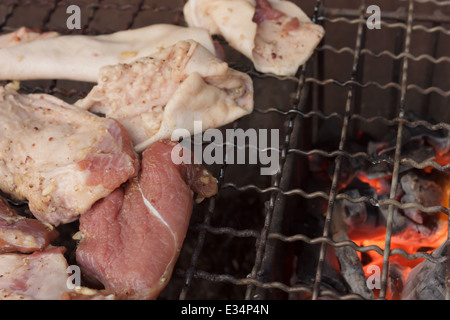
(21, 234)
(58, 157)
(130, 240)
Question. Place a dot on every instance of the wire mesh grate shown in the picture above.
(248, 242)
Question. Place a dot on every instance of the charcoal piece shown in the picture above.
(414, 214)
(426, 281)
(350, 167)
(415, 150)
(440, 143)
(438, 139)
(354, 214)
(306, 267)
(351, 267)
(399, 221)
(422, 189)
(347, 215)
(396, 281)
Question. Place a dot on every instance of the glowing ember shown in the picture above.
(411, 240)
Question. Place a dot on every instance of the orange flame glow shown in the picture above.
(410, 240)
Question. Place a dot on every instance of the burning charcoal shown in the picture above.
(350, 215)
(379, 170)
(422, 190)
(438, 139)
(351, 268)
(396, 281)
(413, 213)
(399, 221)
(350, 167)
(353, 214)
(415, 150)
(426, 281)
(440, 143)
(306, 267)
(418, 134)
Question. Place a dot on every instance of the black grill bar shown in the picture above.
(348, 110)
(395, 174)
(268, 251)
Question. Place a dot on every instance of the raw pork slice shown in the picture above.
(277, 36)
(21, 234)
(170, 90)
(79, 57)
(130, 240)
(41, 275)
(58, 157)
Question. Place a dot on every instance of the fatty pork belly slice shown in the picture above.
(131, 240)
(21, 234)
(80, 57)
(277, 36)
(171, 90)
(41, 275)
(58, 157)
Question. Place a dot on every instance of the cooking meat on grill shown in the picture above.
(79, 57)
(277, 36)
(58, 157)
(130, 240)
(21, 234)
(41, 275)
(24, 35)
(171, 89)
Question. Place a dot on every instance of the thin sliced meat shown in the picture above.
(80, 57)
(277, 36)
(58, 157)
(170, 90)
(130, 240)
(40, 275)
(21, 234)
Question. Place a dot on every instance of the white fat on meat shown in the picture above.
(276, 35)
(130, 240)
(79, 57)
(155, 95)
(24, 35)
(58, 157)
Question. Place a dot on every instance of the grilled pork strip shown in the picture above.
(58, 157)
(130, 240)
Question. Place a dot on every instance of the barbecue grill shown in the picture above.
(270, 237)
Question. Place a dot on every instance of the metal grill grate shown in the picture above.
(244, 243)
